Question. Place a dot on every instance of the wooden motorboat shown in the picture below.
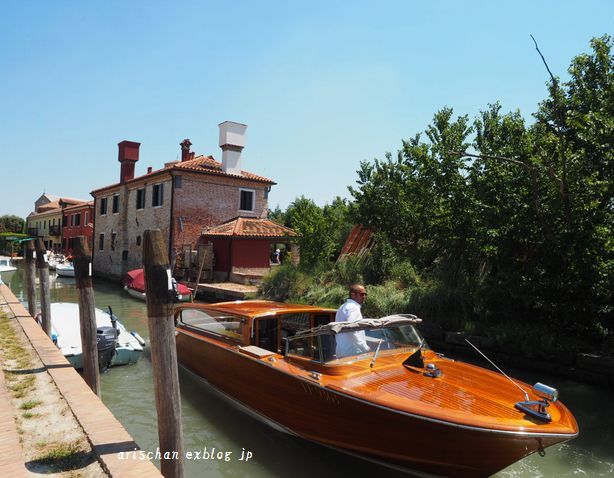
(396, 402)
(134, 284)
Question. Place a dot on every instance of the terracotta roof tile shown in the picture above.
(81, 205)
(200, 164)
(250, 227)
(208, 165)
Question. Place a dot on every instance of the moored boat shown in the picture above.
(116, 346)
(6, 268)
(65, 269)
(398, 403)
(134, 284)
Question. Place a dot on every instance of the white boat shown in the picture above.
(54, 260)
(66, 334)
(6, 269)
(65, 269)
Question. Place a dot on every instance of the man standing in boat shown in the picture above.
(352, 343)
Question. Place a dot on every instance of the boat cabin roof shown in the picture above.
(363, 324)
(255, 308)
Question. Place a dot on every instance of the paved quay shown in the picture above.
(11, 457)
(106, 435)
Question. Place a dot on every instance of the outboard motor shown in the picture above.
(107, 341)
(176, 294)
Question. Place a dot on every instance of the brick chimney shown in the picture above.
(128, 155)
(186, 155)
(232, 142)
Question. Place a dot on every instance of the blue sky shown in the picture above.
(322, 85)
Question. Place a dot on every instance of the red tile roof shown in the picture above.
(208, 165)
(79, 206)
(250, 227)
(200, 164)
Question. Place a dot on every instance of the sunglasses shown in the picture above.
(359, 293)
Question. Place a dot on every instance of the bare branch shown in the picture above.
(558, 111)
(554, 81)
(498, 158)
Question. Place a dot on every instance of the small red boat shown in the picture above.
(134, 284)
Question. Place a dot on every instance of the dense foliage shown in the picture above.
(10, 223)
(485, 224)
(321, 230)
(516, 218)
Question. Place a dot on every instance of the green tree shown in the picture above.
(521, 226)
(277, 215)
(11, 223)
(321, 230)
(420, 200)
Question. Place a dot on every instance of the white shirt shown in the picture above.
(350, 343)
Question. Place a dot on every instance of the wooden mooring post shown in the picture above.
(31, 278)
(43, 279)
(87, 313)
(159, 294)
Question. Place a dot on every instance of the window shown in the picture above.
(101, 242)
(138, 240)
(140, 198)
(115, 203)
(247, 200)
(158, 195)
(87, 218)
(113, 237)
(267, 334)
(178, 181)
(222, 325)
(78, 219)
(124, 256)
(103, 206)
(65, 221)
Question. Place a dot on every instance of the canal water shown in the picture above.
(212, 425)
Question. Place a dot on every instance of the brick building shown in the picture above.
(77, 220)
(181, 199)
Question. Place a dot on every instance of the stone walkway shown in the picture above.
(106, 435)
(11, 457)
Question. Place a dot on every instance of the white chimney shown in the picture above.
(232, 141)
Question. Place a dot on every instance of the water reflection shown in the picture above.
(212, 422)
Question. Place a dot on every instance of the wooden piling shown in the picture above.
(43, 279)
(31, 278)
(159, 293)
(82, 260)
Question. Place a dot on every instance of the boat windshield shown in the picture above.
(347, 346)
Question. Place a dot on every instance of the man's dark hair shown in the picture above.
(354, 288)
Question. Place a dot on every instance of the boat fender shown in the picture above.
(140, 339)
(54, 338)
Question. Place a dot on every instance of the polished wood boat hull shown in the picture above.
(340, 418)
